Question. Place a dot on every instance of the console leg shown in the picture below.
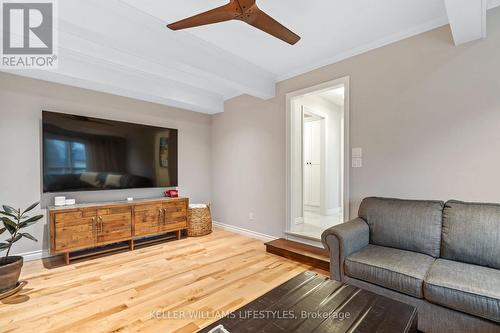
(66, 258)
(178, 234)
(131, 245)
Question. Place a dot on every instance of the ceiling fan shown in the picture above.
(243, 10)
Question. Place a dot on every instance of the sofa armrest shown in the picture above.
(341, 241)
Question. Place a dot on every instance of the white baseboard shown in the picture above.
(313, 209)
(246, 232)
(333, 211)
(34, 255)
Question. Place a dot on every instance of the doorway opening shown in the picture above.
(317, 140)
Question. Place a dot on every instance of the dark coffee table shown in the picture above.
(311, 302)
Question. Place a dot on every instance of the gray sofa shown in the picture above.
(443, 258)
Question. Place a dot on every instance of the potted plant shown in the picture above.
(14, 221)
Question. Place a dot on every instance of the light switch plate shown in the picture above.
(357, 153)
(357, 162)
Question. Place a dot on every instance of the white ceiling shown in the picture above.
(327, 27)
(123, 46)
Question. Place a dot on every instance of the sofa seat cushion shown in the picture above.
(464, 287)
(399, 270)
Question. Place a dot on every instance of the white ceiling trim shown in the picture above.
(91, 71)
(105, 88)
(96, 74)
(428, 26)
(87, 43)
(467, 19)
(433, 24)
(146, 85)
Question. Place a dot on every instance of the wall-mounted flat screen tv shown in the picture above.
(87, 154)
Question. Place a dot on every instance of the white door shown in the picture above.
(312, 163)
(307, 159)
(316, 163)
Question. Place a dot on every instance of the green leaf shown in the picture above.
(23, 225)
(8, 221)
(30, 221)
(8, 214)
(4, 246)
(26, 235)
(2, 230)
(10, 210)
(10, 225)
(33, 219)
(30, 207)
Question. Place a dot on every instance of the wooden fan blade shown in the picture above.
(246, 4)
(266, 23)
(219, 14)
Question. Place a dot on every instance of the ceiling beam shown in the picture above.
(467, 19)
(84, 71)
(113, 47)
(130, 30)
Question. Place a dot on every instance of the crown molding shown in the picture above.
(430, 25)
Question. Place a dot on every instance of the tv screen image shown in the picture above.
(87, 154)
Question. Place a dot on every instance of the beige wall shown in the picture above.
(426, 113)
(21, 103)
(248, 152)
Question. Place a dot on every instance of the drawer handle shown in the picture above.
(100, 224)
(95, 227)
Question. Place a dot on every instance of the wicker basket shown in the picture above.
(199, 221)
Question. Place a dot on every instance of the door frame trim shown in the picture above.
(345, 81)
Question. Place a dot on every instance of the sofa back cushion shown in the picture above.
(412, 225)
(471, 233)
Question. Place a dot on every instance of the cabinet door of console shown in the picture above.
(174, 215)
(74, 230)
(115, 224)
(147, 219)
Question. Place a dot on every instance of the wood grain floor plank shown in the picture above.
(122, 292)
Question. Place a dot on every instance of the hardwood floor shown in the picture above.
(178, 286)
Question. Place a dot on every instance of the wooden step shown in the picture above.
(303, 253)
